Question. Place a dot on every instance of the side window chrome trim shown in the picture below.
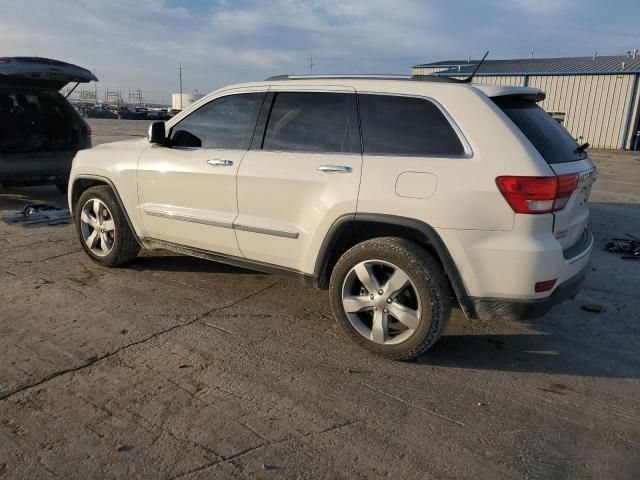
(213, 149)
(468, 151)
(310, 152)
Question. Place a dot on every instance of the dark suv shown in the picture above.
(40, 132)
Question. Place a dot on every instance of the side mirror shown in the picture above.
(157, 134)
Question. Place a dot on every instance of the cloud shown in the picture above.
(138, 43)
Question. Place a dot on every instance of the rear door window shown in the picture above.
(396, 125)
(226, 122)
(309, 122)
(550, 138)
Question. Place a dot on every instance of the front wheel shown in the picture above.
(390, 296)
(102, 228)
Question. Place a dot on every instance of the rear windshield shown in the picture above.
(549, 137)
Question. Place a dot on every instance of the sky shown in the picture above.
(138, 44)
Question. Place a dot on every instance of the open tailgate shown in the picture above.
(41, 72)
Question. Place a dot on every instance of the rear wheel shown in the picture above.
(390, 296)
(102, 228)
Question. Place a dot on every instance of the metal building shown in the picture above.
(597, 98)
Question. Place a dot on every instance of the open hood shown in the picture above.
(41, 72)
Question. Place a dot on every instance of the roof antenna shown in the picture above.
(470, 77)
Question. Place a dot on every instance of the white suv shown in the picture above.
(403, 196)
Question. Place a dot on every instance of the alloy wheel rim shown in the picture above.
(381, 302)
(97, 227)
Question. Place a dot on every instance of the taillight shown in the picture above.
(87, 130)
(537, 194)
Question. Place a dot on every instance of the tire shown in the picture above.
(424, 302)
(121, 245)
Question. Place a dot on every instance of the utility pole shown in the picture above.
(180, 75)
(311, 64)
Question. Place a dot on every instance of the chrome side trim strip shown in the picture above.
(217, 223)
(266, 231)
(187, 218)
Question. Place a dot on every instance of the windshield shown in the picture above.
(549, 137)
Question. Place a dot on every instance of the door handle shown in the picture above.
(220, 163)
(335, 168)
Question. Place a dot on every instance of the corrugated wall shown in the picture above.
(596, 106)
(427, 70)
(635, 120)
(512, 80)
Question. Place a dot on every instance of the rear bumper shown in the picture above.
(515, 309)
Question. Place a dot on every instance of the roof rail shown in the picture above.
(418, 78)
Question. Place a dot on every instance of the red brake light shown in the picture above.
(537, 194)
(87, 130)
(545, 286)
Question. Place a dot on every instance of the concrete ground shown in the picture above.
(174, 367)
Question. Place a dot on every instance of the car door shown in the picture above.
(301, 176)
(188, 190)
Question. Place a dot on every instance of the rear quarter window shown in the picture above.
(397, 125)
(548, 136)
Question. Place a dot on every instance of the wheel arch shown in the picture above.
(352, 229)
(82, 183)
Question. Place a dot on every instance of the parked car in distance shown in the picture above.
(159, 114)
(402, 197)
(40, 132)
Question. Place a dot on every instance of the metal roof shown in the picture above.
(615, 64)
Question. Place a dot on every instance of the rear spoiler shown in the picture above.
(524, 93)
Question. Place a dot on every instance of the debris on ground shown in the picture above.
(38, 213)
(629, 247)
(121, 447)
(592, 307)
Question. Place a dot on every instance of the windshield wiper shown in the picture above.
(582, 148)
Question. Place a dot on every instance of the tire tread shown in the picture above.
(419, 261)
